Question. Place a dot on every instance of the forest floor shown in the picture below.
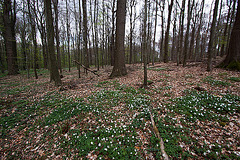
(197, 114)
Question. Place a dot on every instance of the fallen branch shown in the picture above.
(86, 68)
(165, 156)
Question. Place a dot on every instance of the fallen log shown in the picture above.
(164, 154)
(85, 67)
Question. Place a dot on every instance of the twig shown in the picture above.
(165, 156)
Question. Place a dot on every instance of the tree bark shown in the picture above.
(77, 55)
(112, 47)
(145, 45)
(9, 20)
(155, 31)
(79, 38)
(55, 4)
(231, 21)
(54, 74)
(68, 37)
(96, 34)
(119, 68)
(162, 38)
(23, 38)
(85, 35)
(167, 32)
(2, 58)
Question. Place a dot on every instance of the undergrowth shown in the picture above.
(108, 123)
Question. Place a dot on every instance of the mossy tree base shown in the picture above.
(233, 65)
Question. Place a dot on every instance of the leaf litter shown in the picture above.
(101, 118)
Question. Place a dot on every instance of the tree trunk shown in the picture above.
(9, 20)
(54, 74)
(218, 35)
(79, 38)
(77, 49)
(191, 52)
(145, 45)
(119, 68)
(55, 4)
(181, 25)
(232, 60)
(155, 31)
(212, 32)
(185, 51)
(174, 37)
(68, 37)
(23, 38)
(112, 47)
(93, 34)
(197, 48)
(96, 34)
(85, 35)
(34, 38)
(162, 38)
(167, 32)
(132, 4)
(2, 57)
(231, 21)
(149, 29)
(103, 33)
